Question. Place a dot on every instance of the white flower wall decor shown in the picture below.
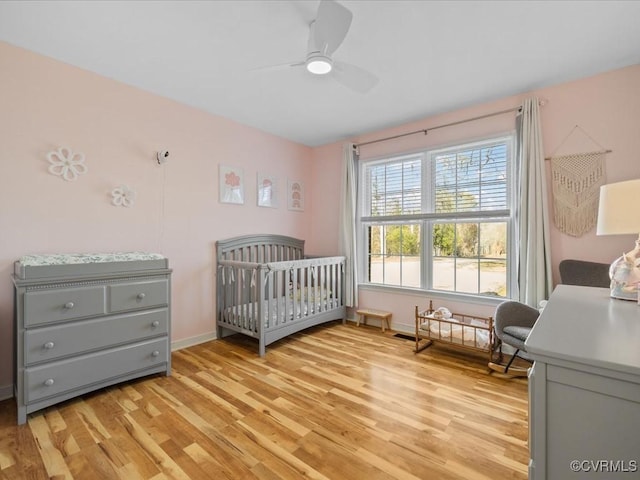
(66, 164)
(123, 196)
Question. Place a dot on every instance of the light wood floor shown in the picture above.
(336, 402)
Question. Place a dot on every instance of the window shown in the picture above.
(439, 220)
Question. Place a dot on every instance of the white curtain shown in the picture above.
(532, 214)
(348, 222)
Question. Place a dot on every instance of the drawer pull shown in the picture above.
(48, 382)
(141, 296)
(155, 323)
(69, 305)
(49, 345)
(155, 353)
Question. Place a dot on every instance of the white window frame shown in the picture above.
(426, 219)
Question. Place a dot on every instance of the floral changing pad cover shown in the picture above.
(79, 258)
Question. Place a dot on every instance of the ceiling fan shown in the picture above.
(327, 32)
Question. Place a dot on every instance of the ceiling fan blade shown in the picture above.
(353, 77)
(278, 66)
(330, 26)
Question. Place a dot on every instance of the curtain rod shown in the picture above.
(425, 130)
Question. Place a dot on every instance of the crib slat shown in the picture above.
(336, 284)
(322, 280)
(296, 295)
(236, 297)
(340, 284)
(311, 291)
(280, 297)
(288, 299)
(242, 298)
(266, 299)
(258, 301)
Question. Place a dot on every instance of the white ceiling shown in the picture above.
(430, 56)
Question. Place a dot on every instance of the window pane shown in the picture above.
(376, 269)
(470, 257)
(411, 271)
(395, 254)
(493, 277)
(493, 240)
(392, 271)
(375, 240)
(443, 274)
(493, 195)
(393, 240)
(467, 240)
(493, 265)
(411, 255)
(444, 239)
(467, 275)
(394, 188)
(471, 180)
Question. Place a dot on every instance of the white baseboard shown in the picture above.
(396, 327)
(402, 328)
(191, 341)
(6, 391)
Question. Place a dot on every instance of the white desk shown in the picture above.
(584, 387)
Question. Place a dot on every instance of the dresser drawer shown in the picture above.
(55, 305)
(49, 343)
(135, 295)
(66, 375)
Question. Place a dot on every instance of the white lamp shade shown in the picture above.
(619, 208)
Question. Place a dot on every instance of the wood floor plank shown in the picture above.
(160, 457)
(7, 453)
(333, 402)
(304, 469)
(52, 458)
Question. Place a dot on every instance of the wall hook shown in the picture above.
(162, 156)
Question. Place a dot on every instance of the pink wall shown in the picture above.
(606, 106)
(47, 104)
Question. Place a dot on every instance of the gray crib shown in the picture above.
(267, 289)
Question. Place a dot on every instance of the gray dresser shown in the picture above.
(86, 321)
(584, 387)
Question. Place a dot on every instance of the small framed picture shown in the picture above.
(267, 191)
(295, 194)
(231, 183)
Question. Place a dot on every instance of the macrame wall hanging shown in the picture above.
(576, 180)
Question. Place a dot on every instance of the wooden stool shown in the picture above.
(368, 312)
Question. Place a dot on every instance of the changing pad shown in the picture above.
(60, 264)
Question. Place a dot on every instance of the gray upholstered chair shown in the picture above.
(587, 274)
(512, 323)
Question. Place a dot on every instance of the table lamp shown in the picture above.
(619, 213)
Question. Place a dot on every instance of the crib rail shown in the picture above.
(260, 248)
(253, 297)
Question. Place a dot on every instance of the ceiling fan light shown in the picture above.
(319, 65)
